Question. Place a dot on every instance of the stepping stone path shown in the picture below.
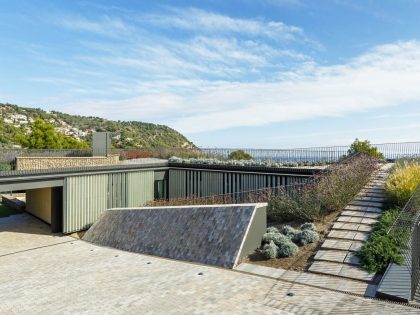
(351, 229)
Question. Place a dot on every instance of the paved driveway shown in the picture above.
(68, 276)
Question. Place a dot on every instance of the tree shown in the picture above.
(239, 155)
(44, 136)
(359, 146)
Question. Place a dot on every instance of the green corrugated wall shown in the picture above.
(86, 197)
(200, 183)
(140, 188)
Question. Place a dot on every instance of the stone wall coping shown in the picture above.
(258, 205)
(65, 157)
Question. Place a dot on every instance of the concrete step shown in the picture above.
(367, 198)
(377, 189)
(361, 214)
(377, 181)
(357, 227)
(351, 246)
(341, 270)
(348, 235)
(365, 203)
(331, 255)
(339, 256)
(363, 193)
(363, 208)
(361, 220)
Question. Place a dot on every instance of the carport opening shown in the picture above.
(45, 204)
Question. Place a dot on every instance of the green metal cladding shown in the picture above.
(201, 183)
(86, 197)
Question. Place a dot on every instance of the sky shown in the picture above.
(240, 73)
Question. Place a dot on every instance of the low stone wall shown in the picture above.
(218, 235)
(36, 163)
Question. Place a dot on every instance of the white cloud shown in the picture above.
(193, 19)
(104, 26)
(287, 3)
(385, 76)
(225, 72)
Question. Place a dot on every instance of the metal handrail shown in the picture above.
(406, 232)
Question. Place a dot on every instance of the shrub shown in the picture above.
(308, 226)
(289, 231)
(237, 162)
(135, 154)
(272, 229)
(239, 155)
(269, 250)
(365, 147)
(378, 252)
(5, 166)
(382, 247)
(277, 238)
(306, 236)
(402, 182)
(287, 249)
(326, 193)
(344, 181)
(301, 203)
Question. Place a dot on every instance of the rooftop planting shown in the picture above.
(403, 181)
(387, 242)
(328, 193)
(284, 243)
(245, 163)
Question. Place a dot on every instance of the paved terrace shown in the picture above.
(48, 274)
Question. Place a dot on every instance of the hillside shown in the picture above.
(15, 123)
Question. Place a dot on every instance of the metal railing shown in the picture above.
(260, 195)
(406, 232)
(391, 151)
(327, 155)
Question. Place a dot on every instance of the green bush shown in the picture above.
(325, 194)
(301, 204)
(44, 136)
(5, 166)
(269, 250)
(277, 238)
(365, 147)
(272, 229)
(382, 247)
(287, 249)
(239, 155)
(282, 244)
(402, 182)
(308, 226)
(306, 236)
(289, 231)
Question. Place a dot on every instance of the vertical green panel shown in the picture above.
(177, 183)
(85, 198)
(215, 186)
(117, 183)
(140, 188)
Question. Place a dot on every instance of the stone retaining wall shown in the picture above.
(218, 235)
(32, 163)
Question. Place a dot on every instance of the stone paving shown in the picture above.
(351, 229)
(22, 232)
(75, 277)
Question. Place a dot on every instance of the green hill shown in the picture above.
(16, 122)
